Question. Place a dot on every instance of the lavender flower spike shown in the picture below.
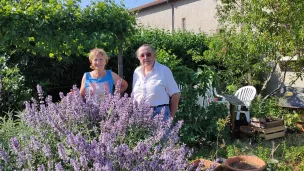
(15, 144)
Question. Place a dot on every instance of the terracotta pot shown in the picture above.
(247, 131)
(207, 164)
(259, 163)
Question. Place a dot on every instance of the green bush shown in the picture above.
(199, 123)
(262, 108)
(179, 43)
(12, 87)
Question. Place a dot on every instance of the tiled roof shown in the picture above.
(151, 4)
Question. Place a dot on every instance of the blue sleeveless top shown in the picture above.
(100, 83)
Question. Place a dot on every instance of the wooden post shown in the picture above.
(232, 115)
(120, 59)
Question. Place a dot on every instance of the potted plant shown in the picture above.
(244, 162)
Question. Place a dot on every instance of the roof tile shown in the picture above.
(151, 4)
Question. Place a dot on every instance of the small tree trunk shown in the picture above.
(120, 60)
(249, 78)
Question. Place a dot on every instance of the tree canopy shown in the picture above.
(57, 28)
(255, 36)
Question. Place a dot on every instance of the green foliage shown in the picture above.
(236, 65)
(261, 108)
(167, 58)
(61, 28)
(13, 92)
(231, 88)
(221, 126)
(268, 108)
(182, 74)
(179, 43)
(254, 38)
(291, 120)
(199, 126)
(10, 127)
(295, 154)
(199, 123)
(135, 134)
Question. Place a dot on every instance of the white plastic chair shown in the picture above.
(204, 101)
(246, 95)
(180, 87)
(210, 96)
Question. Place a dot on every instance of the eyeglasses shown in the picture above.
(146, 54)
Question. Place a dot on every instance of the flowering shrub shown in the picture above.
(114, 134)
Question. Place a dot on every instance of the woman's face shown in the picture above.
(99, 62)
(146, 56)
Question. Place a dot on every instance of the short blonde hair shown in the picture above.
(96, 51)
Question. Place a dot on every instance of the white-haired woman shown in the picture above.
(154, 83)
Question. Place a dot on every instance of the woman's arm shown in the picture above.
(124, 84)
(82, 87)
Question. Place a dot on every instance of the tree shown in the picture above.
(255, 36)
(60, 29)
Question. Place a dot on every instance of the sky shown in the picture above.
(129, 3)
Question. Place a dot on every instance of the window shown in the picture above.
(183, 23)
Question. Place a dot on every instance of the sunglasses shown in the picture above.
(146, 54)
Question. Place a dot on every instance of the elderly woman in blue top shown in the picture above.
(154, 83)
(99, 80)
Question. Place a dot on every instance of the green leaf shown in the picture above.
(51, 55)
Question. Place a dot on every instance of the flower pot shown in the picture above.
(241, 163)
(207, 164)
(247, 131)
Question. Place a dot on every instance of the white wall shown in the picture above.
(199, 16)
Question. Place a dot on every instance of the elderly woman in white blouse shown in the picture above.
(154, 83)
